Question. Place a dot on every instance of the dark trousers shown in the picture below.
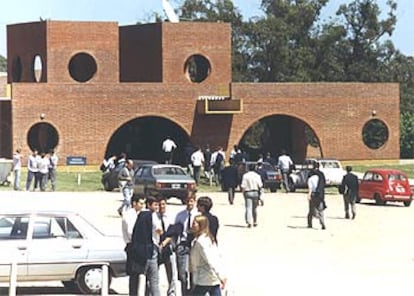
(203, 290)
(231, 192)
(316, 210)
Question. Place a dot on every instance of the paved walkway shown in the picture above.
(370, 255)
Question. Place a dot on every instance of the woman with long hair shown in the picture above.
(205, 260)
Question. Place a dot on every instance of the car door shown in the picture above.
(143, 180)
(367, 186)
(13, 245)
(56, 248)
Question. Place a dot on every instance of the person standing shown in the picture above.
(32, 170)
(206, 266)
(207, 163)
(197, 160)
(168, 146)
(185, 218)
(230, 180)
(145, 245)
(350, 187)
(284, 163)
(217, 163)
(128, 221)
(316, 196)
(17, 168)
(126, 184)
(204, 205)
(53, 168)
(43, 166)
(251, 186)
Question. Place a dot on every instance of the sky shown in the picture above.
(127, 12)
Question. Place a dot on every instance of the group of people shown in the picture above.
(40, 169)
(185, 243)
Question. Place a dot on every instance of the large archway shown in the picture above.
(141, 138)
(281, 132)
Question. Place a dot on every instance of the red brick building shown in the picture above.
(93, 89)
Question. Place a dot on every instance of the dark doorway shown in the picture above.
(280, 132)
(142, 138)
(43, 137)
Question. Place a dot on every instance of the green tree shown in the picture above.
(3, 64)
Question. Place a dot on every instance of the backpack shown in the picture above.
(219, 161)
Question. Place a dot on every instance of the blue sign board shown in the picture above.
(76, 160)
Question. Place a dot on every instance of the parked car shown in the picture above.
(110, 178)
(383, 185)
(331, 168)
(164, 179)
(272, 176)
(63, 246)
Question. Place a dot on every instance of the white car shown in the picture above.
(58, 246)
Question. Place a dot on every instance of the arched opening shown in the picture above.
(43, 137)
(142, 138)
(281, 132)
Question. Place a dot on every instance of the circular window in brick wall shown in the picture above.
(197, 68)
(82, 67)
(17, 69)
(375, 134)
(43, 137)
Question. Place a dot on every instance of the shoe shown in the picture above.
(254, 224)
(309, 226)
(353, 216)
(249, 225)
(346, 216)
(323, 227)
(119, 212)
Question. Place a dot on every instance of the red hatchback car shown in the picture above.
(384, 185)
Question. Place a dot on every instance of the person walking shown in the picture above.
(230, 180)
(350, 187)
(128, 222)
(126, 183)
(207, 163)
(251, 186)
(284, 163)
(145, 245)
(316, 196)
(53, 158)
(43, 166)
(17, 168)
(206, 266)
(168, 146)
(185, 218)
(197, 160)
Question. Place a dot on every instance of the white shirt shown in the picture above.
(17, 161)
(251, 181)
(53, 161)
(214, 156)
(43, 165)
(168, 145)
(129, 218)
(156, 226)
(182, 217)
(32, 163)
(313, 183)
(284, 162)
(197, 158)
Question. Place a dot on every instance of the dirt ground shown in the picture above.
(372, 254)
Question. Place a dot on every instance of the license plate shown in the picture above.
(175, 186)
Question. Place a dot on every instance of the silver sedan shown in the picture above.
(49, 245)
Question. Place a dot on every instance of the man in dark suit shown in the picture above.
(349, 187)
(230, 180)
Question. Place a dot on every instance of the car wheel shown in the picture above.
(378, 200)
(89, 279)
(407, 203)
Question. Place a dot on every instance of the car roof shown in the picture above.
(28, 212)
(385, 171)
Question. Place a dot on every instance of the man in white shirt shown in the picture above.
(168, 146)
(32, 170)
(53, 168)
(316, 184)
(251, 186)
(197, 160)
(17, 169)
(284, 163)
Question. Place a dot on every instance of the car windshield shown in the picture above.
(330, 165)
(168, 171)
(399, 177)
